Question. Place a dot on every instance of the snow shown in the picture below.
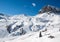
(35, 38)
(32, 25)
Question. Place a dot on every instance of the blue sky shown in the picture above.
(29, 7)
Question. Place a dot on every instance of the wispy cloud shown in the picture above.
(33, 4)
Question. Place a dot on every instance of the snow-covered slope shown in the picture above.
(35, 23)
(3, 23)
(32, 27)
(22, 28)
(35, 38)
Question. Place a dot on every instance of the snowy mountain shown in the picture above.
(3, 23)
(22, 28)
(49, 8)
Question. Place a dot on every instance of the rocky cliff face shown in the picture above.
(49, 8)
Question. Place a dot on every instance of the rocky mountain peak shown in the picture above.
(49, 8)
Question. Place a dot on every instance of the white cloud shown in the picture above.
(33, 4)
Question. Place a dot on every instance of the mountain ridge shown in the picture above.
(49, 8)
(30, 23)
